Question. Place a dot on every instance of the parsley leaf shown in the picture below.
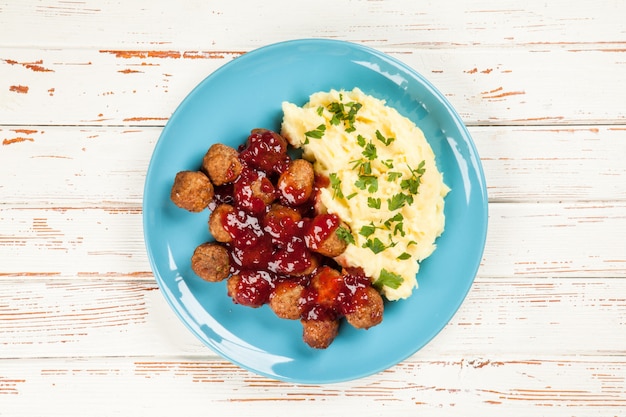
(373, 202)
(338, 109)
(397, 201)
(393, 175)
(388, 163)
(370, 151)
(412, 184)
(389, 279)
(367, 231)
(375, 245)
(316, 133)
(367, 181)
(386, 141)
(404, 256)
(344, 234)
(335, 184)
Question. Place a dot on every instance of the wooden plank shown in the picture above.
(381, 23)
(516, 317)
(559, 164)
(438, 387)
(486, 86)
(541, 240)
(92, 166)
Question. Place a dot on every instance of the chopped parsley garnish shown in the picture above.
(344, 112)
(316, 133)
(373, 202)
(398, 201)
(389, 279)
(368, 182)
(388, 163)
(386, 141)
(398, 227)
(413, 183)
(367, 231)
(370, 151)
(393, 175)
(404, 256)
(335, 184)
(344, 234)
(375, 245)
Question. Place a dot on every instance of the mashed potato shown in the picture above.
(383, 182)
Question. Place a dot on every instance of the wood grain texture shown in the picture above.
(237, 25)
(85, 90)
(143, 87)
(580, 386)
(516, 317)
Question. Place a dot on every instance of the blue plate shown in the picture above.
(247, 93)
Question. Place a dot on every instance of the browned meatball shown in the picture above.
(192, 191)
(210, 261)
(217, 219)
(319, 334)
(328, 284)
(249, 288)
(295, 185)
(322, 236)
(263, 189)
(222, 164)
(281, 222)
(284, 300)
(367, 308)
(333, 245)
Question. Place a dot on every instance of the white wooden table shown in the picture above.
(87, 86)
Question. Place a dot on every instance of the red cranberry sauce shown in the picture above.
(265, 150)
(320, 229)
(334, 295)
(273, 243)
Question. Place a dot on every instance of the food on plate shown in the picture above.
(319, 334)
(222, 164)
(285, 299)
(322, 238)
(211, 262)
(295, 184)
(382, 182)
(192, 191)
(217, 221)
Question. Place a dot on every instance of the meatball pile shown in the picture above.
(274, 243)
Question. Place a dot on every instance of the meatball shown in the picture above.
(217, 220)
(281, 222)
(266, 150)
(249, 288)
(319, 334)
(263, 189)
(222, 164)
(328, 284)
(253, 191)
(192, 191)
(322, 236)
(333, 245)
(285, 300)
(295, 185)
(367, 308)
(210, 261)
